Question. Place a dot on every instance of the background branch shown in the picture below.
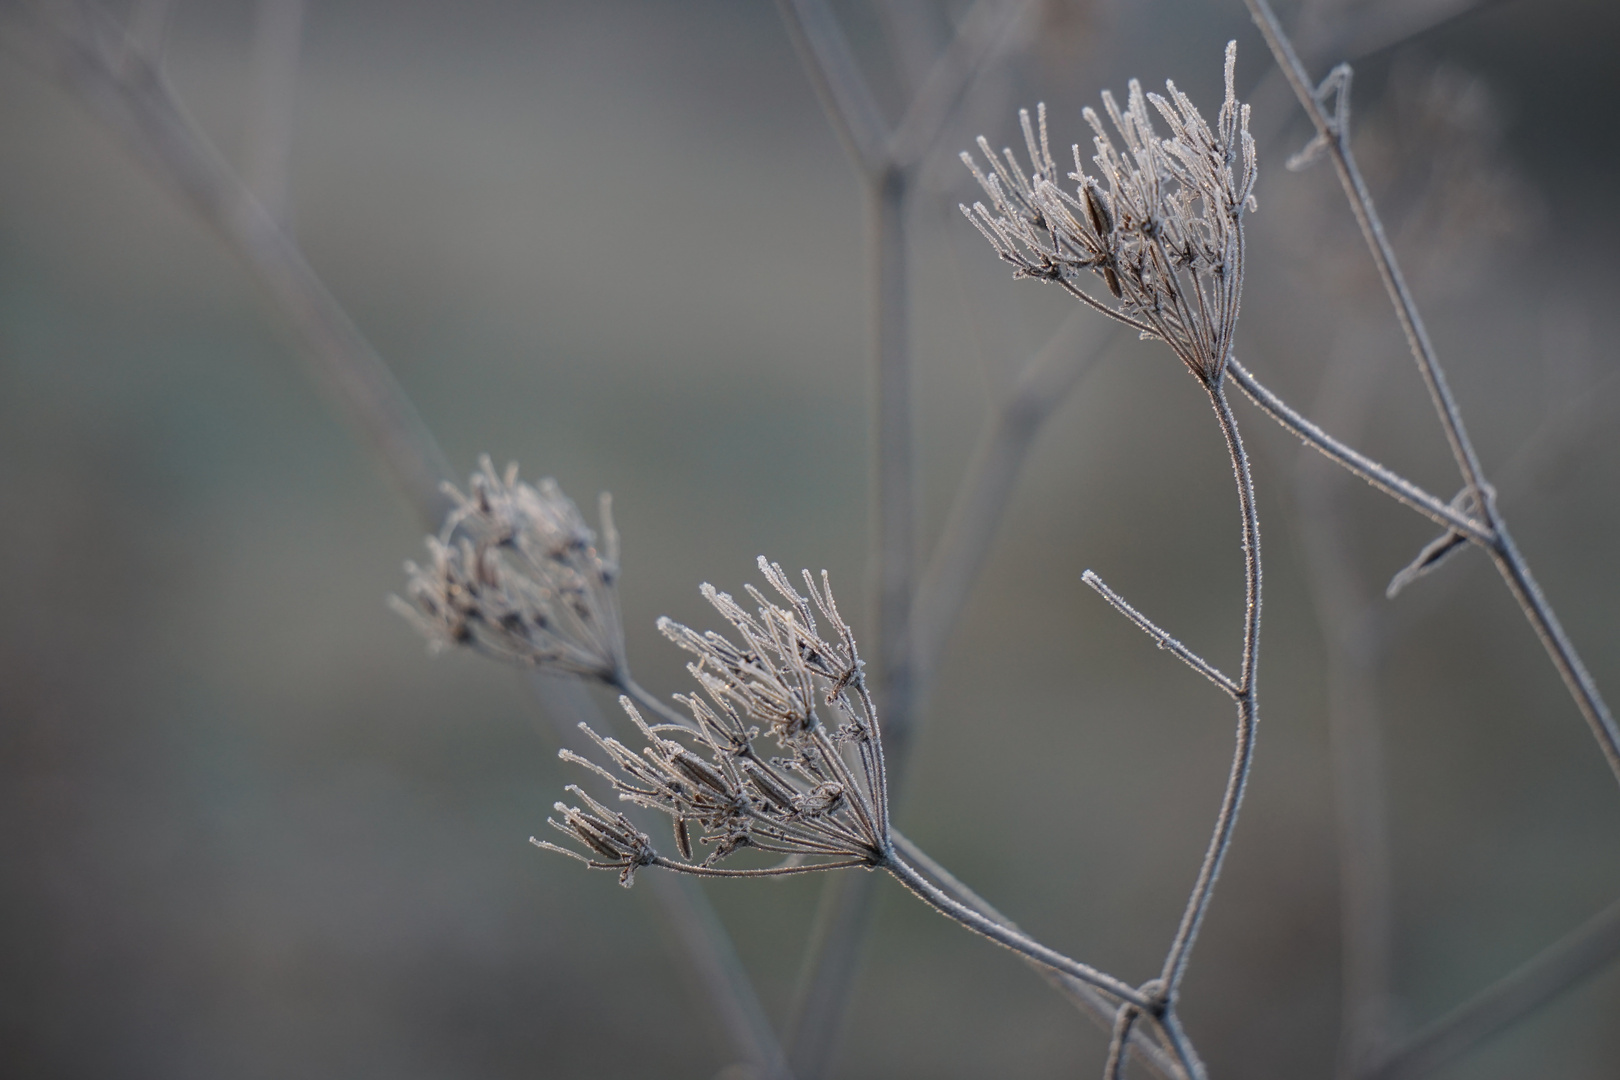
(132, 97)
(1560, 967)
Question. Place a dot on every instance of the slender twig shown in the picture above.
(1162, 637)
(1560, 967)
(895, 492)
(1082, 993)
(130, 95)
(1175, 962)
(847, 100)
(1118, 1040)
(1087, 998)
(1243, 692)
(1397, 487)
(934, 897)
(884, 158)
(1333, 135)
(768, 871)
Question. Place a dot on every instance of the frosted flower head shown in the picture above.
(515, 573)
(822, 802)
(1160, 223)
(612, 839)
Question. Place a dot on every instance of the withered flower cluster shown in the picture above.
(1160, 223)
(517, 574)
(822, 802)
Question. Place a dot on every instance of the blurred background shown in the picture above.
(248, 830)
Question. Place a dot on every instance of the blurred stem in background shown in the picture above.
(116, 73)
(885, 158)
(1364, 858)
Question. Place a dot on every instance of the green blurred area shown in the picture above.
(247, 830)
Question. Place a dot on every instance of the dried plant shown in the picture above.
(1166, 237)
(709, 776)
(810, 804)
(516, 574)
(1163, 228)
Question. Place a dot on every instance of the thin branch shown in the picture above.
(982, 496)
(849, 102)
(833, 951)
(977, 39)
(1087, 998)
(1175, 962)
(769, 871)
(957, 901)
(895, 488)
(1118, 1040)
(130, 95)
(1560, 967)
(1522, 584)
(930, 894)
(1336, 139)
(1392, 484)
(1162, 638)
(845, 908)
(1334, 135)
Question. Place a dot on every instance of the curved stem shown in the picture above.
(1175, 962)
(1087, 998)
(1392, 484)
(1006, 937)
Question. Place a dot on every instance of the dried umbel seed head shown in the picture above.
(1160, 224)
(823, 801)
(517, 574)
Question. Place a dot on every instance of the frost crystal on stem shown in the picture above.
(1160, 223)
(517, 574)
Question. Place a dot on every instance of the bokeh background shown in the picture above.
(248, 830)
